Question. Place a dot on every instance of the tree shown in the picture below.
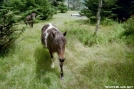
(123, 9)
(62, 7)
(59, 5)
(8, 32)
(75, 4)
(119, 10)
(98, 16)
(91, 8)
(43, 8)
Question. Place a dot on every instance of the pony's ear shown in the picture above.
(65, 33)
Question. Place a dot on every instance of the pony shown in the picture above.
(29, 20)
(53, 39)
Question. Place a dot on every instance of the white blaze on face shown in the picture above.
(50, 26)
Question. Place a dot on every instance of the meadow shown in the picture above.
(91, 63)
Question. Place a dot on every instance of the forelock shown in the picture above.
(59, 36)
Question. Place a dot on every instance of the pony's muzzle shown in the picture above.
(61, 60)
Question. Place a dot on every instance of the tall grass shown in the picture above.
(109, 62)
(84, 32)
(129, 31)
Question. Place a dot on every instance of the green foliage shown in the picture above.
(8, 32)
(108, 22)
(110, 70)
(85, 35)
(75, 4)
(90, 8)
(129, 26)
(59, 5)
(129, 30)
(123, 9)
(44, 9)
(24, 7)
(85, 12)
(17, 5)
(112, 9)
(62, 7)
(93, 20)
(79, 32)
(107, 9)
(60, 0)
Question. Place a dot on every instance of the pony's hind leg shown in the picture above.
(52, 59)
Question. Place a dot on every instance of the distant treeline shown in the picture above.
(45, 9)
(119, 10)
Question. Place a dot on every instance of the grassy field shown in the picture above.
(108, 61)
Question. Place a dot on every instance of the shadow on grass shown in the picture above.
(43, 61)
(44, 72)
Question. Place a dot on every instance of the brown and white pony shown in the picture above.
(55, 41)
(30, 19)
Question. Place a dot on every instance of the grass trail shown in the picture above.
(28, 65)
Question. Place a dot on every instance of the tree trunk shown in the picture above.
(98, 17)
(68, 4)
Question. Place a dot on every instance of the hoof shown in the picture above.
(52, 66)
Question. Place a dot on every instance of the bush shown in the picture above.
(85, 12)
(107, 21)
(84, 33)
(129, 26)
(42, 8)
(62, 7)
(93, 20)
(129, 31)
(8, 32)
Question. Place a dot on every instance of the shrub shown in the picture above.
(85, 34)
(93, 20)
(42, 8)
(8, 32)
(107, 21)
(129, 26)
(129, 31)
(91, 8)
(62, 7)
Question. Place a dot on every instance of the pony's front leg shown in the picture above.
(61, 68)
